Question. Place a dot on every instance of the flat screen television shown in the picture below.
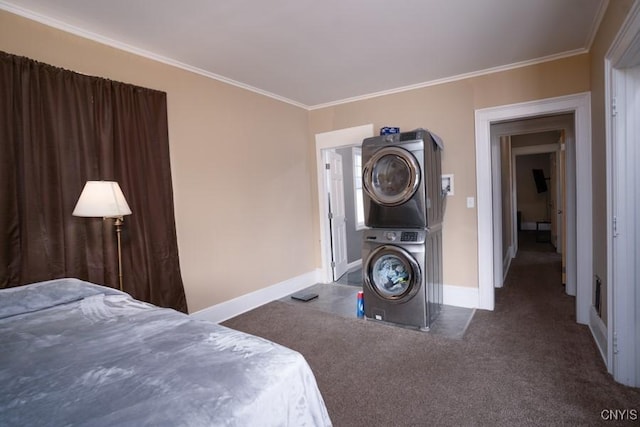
(541, 182)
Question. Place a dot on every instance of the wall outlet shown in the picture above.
(471, 202)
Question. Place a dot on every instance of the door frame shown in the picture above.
(623, 232)
(325, 141)
(489, 208)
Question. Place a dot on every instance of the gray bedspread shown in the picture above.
(75, 353)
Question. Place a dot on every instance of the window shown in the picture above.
(357, 187)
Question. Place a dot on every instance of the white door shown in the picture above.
(553, 199)
(625, 207)
(622, 103)
(561, 217)
(335, 184)
(556, 200)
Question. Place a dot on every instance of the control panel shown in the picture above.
(409, 236)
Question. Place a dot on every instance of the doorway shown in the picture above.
(334, 141)
(579, 196)
(534, 190)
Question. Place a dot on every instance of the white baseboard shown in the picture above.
(460, 296)
(506, 262)
(354, 264)
(599, 332)
(228, 309)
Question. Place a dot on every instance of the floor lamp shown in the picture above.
(104, 199)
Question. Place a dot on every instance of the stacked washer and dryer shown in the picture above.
(404, 207)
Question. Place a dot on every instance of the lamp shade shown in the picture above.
(102, 199)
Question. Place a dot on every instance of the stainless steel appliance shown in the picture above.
(402, 271)
(401, 177)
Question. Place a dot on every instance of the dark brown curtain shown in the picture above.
(59, 129)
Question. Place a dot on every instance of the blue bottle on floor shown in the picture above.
(360, 305)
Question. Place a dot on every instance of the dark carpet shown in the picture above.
(526, 363)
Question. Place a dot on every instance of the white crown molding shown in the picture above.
(453, 78)
(54, 23)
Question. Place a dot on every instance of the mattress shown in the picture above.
(76, 353)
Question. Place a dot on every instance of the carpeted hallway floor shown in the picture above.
(525, 363)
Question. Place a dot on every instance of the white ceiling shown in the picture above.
(315, 53)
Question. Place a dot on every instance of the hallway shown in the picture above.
(536, 339)
(534, 281)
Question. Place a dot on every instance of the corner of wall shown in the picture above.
(228, 309)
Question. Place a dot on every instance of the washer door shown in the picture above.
(391, 176)
(392, 273)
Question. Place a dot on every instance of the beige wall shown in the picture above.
(448, 110)
(611, 23)
(532, 205)
(239, 161)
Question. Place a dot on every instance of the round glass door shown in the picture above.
(391, 176)
(392, 273)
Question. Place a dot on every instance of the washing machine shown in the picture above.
(402, 271)
(402, 181)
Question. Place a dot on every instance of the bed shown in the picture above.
(76, 353)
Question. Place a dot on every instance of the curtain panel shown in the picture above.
(59, 129)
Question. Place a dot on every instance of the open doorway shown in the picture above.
(578, 184)
(538, 199)
(534, 190)
(341, 143)
(342, 172)
(533, 151)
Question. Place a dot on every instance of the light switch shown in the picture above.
(471, 202)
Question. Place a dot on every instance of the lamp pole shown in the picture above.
(118, 224)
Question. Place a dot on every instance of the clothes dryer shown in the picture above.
(402, 180)
(402, 271)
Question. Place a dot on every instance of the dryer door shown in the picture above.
(391, 176)
(392, 273)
